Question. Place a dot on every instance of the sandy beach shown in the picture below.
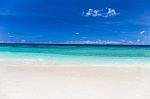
(49, 81)
(74, 49)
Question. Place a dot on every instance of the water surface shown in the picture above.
(78, 53)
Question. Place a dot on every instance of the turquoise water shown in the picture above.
(80, 53)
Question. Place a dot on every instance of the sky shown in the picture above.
(75, 21)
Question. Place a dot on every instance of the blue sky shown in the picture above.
(75, 21)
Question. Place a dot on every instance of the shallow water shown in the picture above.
(78, 53)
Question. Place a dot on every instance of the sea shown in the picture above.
(79, 53)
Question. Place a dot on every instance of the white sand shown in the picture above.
(20, 80)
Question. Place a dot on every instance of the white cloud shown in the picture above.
(142, 32)
(130, 42)
(11, 36)
(138, 40)
(105, 42)
(23, 41)
(93, 42)
(108, 12)
(112, 12)
(77, 33)
(122, 40)
(1, 41)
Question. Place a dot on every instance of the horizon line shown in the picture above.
(61, 44)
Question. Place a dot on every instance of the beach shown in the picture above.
(66, 82)
(25, 74)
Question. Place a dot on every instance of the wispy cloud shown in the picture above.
(23, 41)
(77, 33)
(142, 32)
(11, 36)
(105, 42)
(1, 41)
(138, 40)
(93, 42)
(107, 12)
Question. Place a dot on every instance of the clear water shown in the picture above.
(79, 53)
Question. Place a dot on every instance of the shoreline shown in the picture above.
(58, 63)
